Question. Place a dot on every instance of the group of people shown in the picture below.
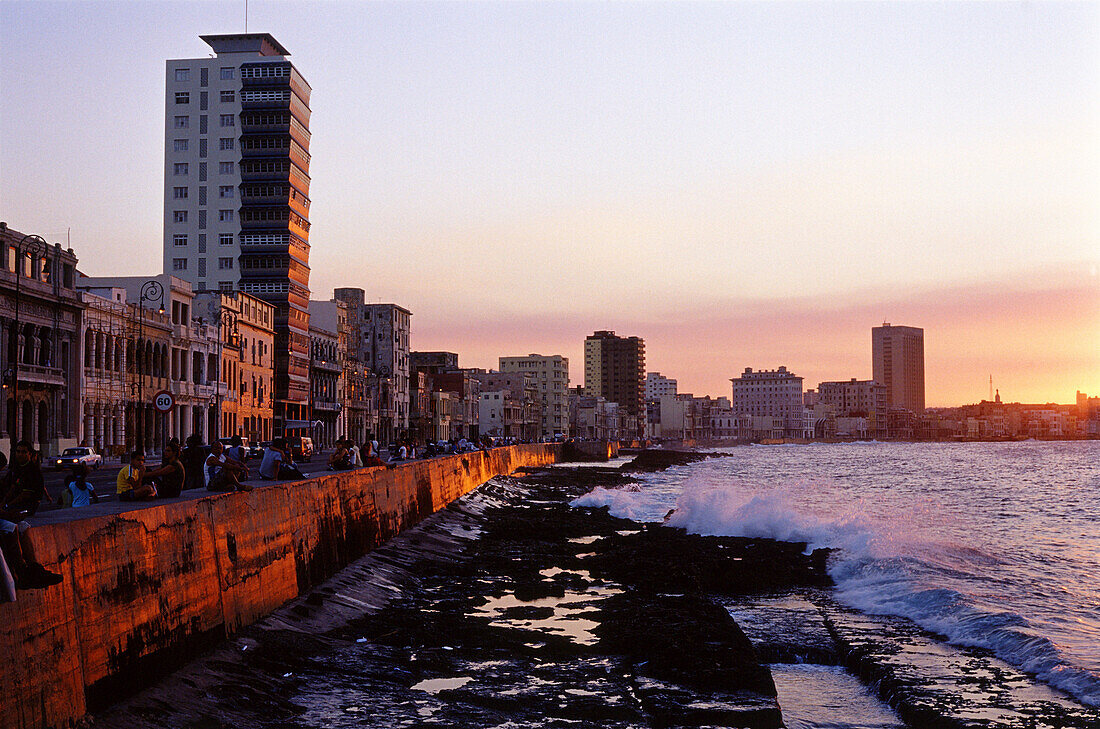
(192, 466)
(347, 454)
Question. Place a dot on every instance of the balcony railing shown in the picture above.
(41, 375)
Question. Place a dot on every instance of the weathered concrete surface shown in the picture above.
(591, 450)
(145, 590)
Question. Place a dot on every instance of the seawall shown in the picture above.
(146, 590)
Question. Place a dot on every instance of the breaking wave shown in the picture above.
(880, 565)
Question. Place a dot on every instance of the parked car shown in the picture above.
(80, 454)
(257, 451)
(301, 447)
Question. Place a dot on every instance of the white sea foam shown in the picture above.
(639, 505)
(884, 563)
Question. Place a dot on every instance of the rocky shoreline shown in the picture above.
(509, 606)
(512, 609)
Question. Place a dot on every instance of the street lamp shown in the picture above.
(33, 247)
(226, 320)
(150, 291)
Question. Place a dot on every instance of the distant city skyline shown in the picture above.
(738, 184)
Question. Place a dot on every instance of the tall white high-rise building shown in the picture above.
(236, 191)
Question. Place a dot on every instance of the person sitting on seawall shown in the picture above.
(223, 473)
(22, 484)
(353, 451)
(193, 459)
(340, 460)
(236, 450)
(129, 484)
(370, 448)
(171, 475)
(23, 489)
(277, 464)
(19, 557)
(79, 492)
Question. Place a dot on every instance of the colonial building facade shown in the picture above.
(41, 315)
(551, 377)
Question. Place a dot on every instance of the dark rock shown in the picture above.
(659, 460)
(686, 639)
(661, 559)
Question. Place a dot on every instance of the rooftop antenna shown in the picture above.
(991, 387)
(245, 16)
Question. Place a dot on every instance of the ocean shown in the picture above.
(987, 545)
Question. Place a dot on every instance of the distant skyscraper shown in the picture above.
(236, 191)
(898, 363)
(614, 369)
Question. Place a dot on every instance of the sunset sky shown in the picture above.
(742, 185)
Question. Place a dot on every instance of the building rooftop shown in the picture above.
(263, 44)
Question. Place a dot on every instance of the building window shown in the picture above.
(179, 168)
(225, 143)
(179, 216)
(225, 239)
(225, 215)
(227, 120)
(182, 122)
(225, 191)
(180, 239)
(224, 263)
(227, 97)
(225, 168)
(179, 145)
(179, 193)
(202, 266)
(225, 285)
(183, 97)
(227, 74)
(202, 242)
(183, 74)
(179, 264)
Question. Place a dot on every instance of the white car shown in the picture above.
(80, 454)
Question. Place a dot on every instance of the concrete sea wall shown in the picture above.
(146, 590)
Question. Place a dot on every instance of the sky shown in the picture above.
(740, 184)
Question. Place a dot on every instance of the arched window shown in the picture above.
(89, 347)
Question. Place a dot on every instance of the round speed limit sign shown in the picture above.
(163, 401)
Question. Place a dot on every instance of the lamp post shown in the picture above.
(226, 320)
(150, 291)
(34, 247)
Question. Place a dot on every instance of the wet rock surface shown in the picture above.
(927, 682)
(508, 608)
(657, 460)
